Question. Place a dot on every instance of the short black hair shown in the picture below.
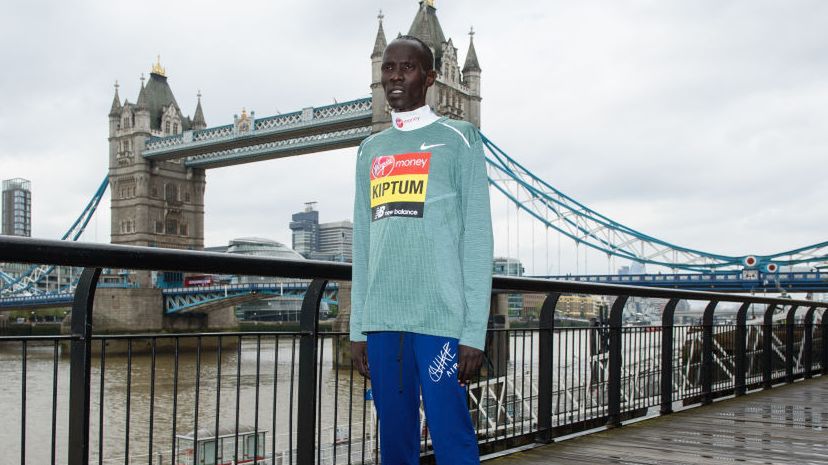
(428, 55)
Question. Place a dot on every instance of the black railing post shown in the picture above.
(308, 351)
(767, 347)
(81, 367)
(707, 352)
(667, 325)
(824, 341)
(546, 357)
(790, 318)
(808, 343)
(615, 361)
(741, 349)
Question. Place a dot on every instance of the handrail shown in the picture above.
(29, 250)
(607, 337)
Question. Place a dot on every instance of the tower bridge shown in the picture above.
(158, 157)
(158, 160)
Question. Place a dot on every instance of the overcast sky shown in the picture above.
(703, 123)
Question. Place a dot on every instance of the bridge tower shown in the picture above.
(154, 203)
(456, 93)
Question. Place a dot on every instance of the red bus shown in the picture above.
(200, 280)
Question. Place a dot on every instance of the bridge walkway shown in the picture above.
(785, 425)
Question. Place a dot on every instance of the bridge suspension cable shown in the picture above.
(28, 280)
(558, 211)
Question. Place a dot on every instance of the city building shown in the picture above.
(633, 268)
(506, 266)
(277, 308)
(305, 227)
(261, 247)
(570, 306)
(327, 241)
(335, 240)
(532, 304)
(17, 207)
(578, 306)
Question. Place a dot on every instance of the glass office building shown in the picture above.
(17, 207)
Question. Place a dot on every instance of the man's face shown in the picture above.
(404, 77)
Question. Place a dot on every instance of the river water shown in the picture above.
(256, 379)
(228, 382)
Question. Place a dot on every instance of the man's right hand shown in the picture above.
(359, 357)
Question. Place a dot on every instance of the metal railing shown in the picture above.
(284, 397)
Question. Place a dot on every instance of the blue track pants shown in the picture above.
(402, 365)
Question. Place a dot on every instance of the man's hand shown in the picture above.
(359, 357)
(470, 361)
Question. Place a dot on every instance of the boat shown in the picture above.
(208, 449)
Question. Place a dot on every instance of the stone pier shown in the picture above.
(141, 310)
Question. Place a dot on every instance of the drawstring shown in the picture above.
(399, 361)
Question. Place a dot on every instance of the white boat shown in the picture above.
(207, 449)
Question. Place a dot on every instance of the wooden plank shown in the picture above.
(785, 425)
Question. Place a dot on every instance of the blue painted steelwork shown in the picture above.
(736, 281)
(62, 299)
(556, 210)
(191, 299)
(6, 278)
(340, 124)
(28, 280)
(322, 128)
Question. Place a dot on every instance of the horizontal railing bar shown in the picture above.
(46, 338)
(196, 334)
(28, 250)
(76, 254)
(502, 283)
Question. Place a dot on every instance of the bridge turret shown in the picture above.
(471, 78)
(381, 117)
(426, 27)
(198, 118)
(142, 114)
(115, 113)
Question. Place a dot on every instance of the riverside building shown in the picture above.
(17, 207)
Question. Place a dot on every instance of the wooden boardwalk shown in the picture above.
(785, 425)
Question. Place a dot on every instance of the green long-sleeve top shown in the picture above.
(422, 245)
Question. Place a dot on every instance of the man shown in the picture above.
(422, 265)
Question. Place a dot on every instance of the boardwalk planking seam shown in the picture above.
(786, 425)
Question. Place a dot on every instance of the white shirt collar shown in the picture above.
(414, 119)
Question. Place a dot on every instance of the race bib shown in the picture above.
(398, 185)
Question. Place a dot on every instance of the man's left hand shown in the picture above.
(470, 361)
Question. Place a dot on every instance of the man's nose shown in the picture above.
(396, 75)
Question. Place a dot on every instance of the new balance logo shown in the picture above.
(423, 146)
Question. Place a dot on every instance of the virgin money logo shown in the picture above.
(382, 166)
(402, 122)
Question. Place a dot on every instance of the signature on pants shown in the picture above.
(442, 362)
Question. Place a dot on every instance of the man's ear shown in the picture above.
(431, 76)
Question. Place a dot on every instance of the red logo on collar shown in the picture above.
(399, 122)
